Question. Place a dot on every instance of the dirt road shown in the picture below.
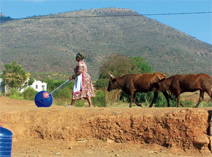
(59, 131)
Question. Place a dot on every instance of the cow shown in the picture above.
(133, 83)
(180, 83)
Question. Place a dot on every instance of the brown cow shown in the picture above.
(133, 83)
(180, 83)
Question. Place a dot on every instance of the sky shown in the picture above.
(196, 25)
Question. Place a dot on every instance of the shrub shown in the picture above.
(53, 84)
(1, 94)
(15, 94)
(99, 99)
(62, 101)
(101, 83)
(64, 93)
(29, 94)
(162, 102)
(79, 103)
(63, 96)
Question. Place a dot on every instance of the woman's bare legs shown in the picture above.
(88, 99)
(89, 102)
(72, 102)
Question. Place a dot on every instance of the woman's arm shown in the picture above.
(74, 76)
(76, 73)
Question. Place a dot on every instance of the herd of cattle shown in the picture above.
(158, 82)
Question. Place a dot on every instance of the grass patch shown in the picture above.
(16, 97)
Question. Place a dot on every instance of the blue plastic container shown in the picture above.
(43, 99)
(5, 142)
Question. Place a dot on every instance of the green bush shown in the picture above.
(101, 83)
(29, 94)
(162, 102)
(53, 84)
(99, 99)
(62, 101)
(1, 94)
(64, 93)
(79, 103)
(15, 94)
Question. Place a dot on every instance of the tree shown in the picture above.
(141, 65)
(14, 76)
(31, 81)
(117, 65)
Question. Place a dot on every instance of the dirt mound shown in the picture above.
(174, 129)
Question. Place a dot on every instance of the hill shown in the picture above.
(49, 43)
(4, 18)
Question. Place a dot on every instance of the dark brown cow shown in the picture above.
(133, 83)
(178, 84)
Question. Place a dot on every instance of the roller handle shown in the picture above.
(61, 86)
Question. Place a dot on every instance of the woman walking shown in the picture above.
(83, 87)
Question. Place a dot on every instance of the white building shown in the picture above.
(39, 86)
(1, 85)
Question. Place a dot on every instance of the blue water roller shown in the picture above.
(45, 99)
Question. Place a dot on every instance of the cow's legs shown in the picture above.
(167, 97)
(132, 97)
(201, 97)
(178, 100)
(136, 101)
(209, 92)
(130, 102)
(154, 98)
(137, 104)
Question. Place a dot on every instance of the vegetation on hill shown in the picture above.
(4, 18)
(50, 43)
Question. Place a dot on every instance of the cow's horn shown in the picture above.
(111, 75)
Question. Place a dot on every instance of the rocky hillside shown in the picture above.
(49, 43)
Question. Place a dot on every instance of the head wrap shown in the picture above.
(80, 55)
